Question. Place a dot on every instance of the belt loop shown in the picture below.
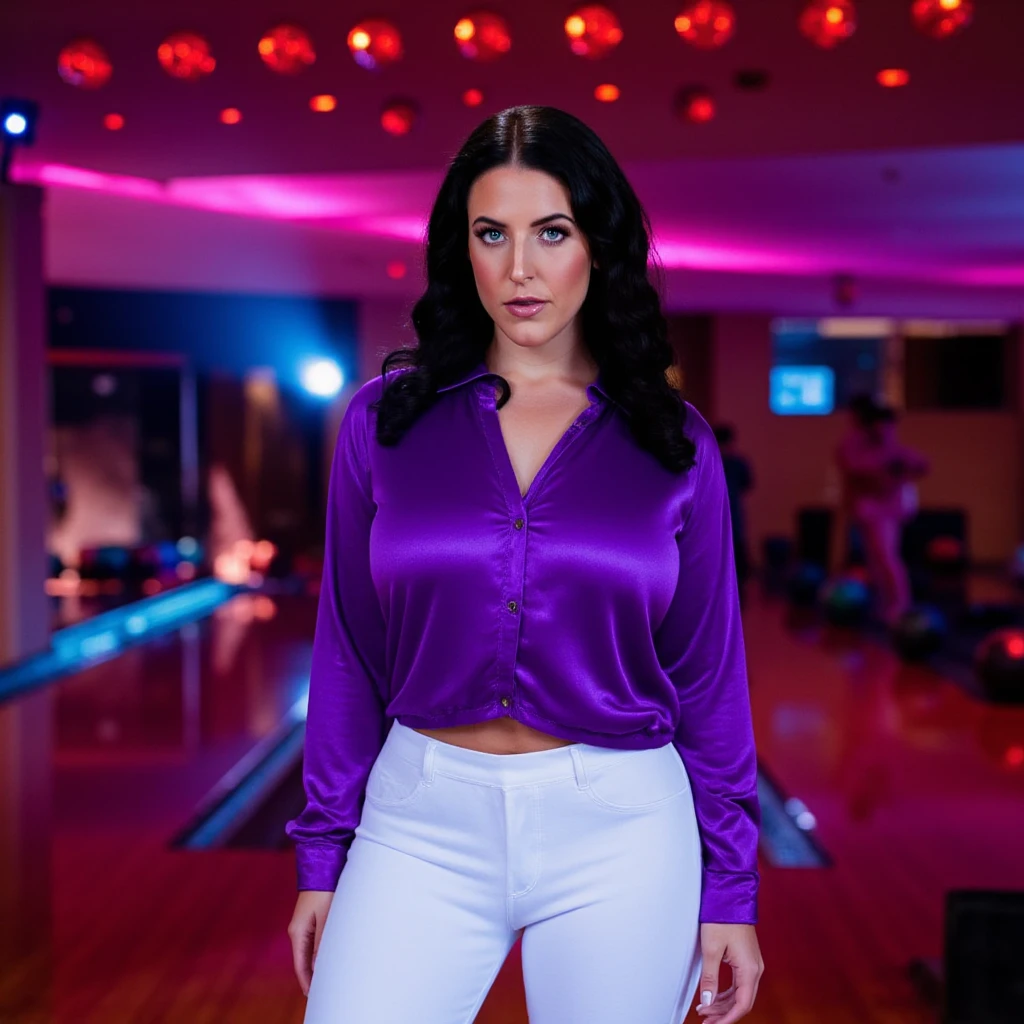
(428, 760)
(578, 768)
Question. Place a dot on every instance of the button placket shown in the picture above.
(517, 505)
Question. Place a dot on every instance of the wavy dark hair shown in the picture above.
(623, 327)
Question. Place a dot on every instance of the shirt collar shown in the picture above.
(481, 370)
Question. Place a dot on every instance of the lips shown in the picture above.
(525, 306)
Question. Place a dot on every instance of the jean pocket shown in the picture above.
(394, 782)
(643, 780)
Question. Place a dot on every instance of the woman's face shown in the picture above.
(524, 244)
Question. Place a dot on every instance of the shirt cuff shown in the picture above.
(728, 898)
(319, 865)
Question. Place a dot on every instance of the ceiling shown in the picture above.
(964, 90)
(917, 191)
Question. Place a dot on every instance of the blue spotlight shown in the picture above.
(17, 128)
(322, 377)
(15, 124)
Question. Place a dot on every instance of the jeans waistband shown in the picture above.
(576, 759)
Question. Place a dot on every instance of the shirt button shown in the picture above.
(518, 524)
(512, 606)
(504, 702)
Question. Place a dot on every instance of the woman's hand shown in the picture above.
(736, 945)
(305, 929)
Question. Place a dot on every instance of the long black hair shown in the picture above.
(623, 326)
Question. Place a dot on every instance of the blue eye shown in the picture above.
(559, 235)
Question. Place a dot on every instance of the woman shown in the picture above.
(528, 658)
(879, 495)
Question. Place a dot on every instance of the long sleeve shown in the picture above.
(345, 723)
(700, 646)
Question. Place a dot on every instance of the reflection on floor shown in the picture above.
(915, 788)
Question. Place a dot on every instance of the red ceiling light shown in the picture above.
(286, 49)
(893, 78)
(375, 43)
(695, 105)
(1014, 757)
(396, 270)
(398, 117)
(186, 55)
(607, 93)
(593, 31)
(323, 104)
(230, 115)
(707, 23)
(85, 64)
(113, 122)
(482, 36)
(941, 18)
(472, 97)
(828, 22)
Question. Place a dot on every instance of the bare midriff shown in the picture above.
(498, 736)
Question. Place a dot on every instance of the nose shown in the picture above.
(521, 270)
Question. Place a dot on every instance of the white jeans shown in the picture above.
(592, 854)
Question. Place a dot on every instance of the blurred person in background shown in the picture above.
(880, 476)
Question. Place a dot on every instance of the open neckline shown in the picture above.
(499, 447)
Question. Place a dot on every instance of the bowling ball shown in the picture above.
(845, 601)
(999, 665)
(919, 633)
(804, 583)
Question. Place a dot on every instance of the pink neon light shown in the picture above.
(703, 256)
(76, 177)
(378, 206)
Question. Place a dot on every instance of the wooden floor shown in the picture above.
(916, 789)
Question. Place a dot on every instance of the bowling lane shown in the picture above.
(916, 789)
(103, 768)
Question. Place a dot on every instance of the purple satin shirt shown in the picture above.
(601, 608)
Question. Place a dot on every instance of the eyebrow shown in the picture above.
(535, 224)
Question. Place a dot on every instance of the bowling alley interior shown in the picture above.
(212, 228)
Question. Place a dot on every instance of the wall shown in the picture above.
(977, 457)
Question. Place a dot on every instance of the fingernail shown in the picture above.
(705, 998)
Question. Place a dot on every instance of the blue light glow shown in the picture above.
(15, 124)
(136, 625)
(106, 635)
(322, 377)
